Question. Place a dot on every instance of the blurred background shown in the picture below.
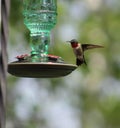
(87, 98)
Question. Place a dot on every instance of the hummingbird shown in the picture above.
(79, 49)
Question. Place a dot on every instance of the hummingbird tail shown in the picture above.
(78, 62)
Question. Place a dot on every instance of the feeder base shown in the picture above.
(40, 69)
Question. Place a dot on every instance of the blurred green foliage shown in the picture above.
(88, 89)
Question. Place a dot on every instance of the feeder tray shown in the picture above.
(40, 69)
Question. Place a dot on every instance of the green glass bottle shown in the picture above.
(40, 17)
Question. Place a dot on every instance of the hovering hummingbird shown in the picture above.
(79, 50)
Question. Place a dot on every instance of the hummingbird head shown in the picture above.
(74, 43)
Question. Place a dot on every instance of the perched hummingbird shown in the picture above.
(79, 50)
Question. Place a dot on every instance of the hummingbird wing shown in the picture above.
(90, 46)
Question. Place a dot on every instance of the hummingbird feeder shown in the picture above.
(40, 17)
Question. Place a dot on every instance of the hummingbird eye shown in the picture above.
(72, 42)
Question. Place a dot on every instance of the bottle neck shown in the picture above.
(39, 45)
